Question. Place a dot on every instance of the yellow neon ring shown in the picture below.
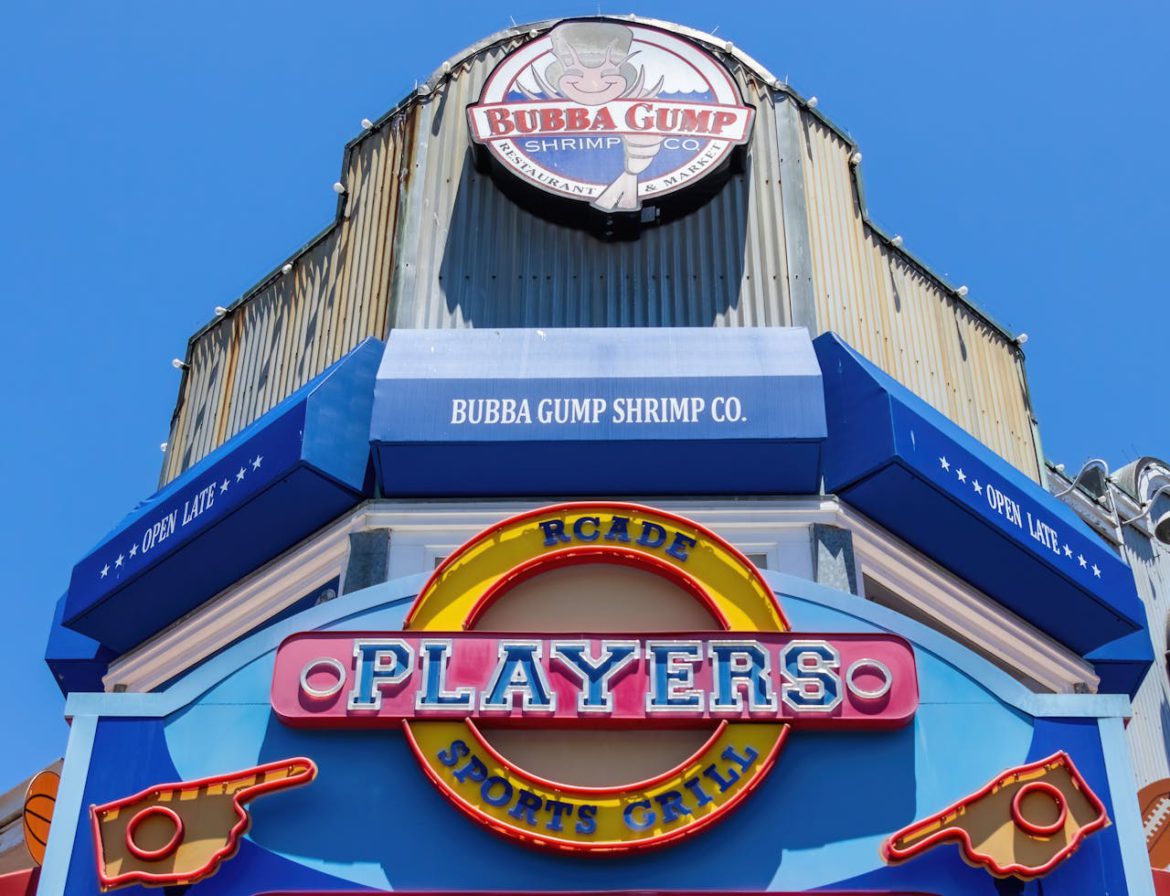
(495, 560)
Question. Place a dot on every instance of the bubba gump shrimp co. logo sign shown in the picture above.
(610, 114)
(742, 685)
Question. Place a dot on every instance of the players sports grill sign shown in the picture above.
(610, 114)
(451, 688)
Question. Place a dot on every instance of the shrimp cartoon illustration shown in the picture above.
(593, 67)
(611, 114)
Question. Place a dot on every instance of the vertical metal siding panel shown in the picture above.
(986, 414)
(1012, 419)
(246, 386)
(309, 307)
(278, 301)
(249, 347)
(1149, 732)
(360, 200)
(879, 274)
(903, 319)
(822, 214)
(371, 247)
(209, 359)
(296, 325)
(916, 333)
(237, 404)
(947, 362)
(980, 371)
(850, 299)
(399, 134)
(210, 407)
(303, 306)
(359, 315)
(309, 276)
(765, 219)
(284, 297)
(254, 382)
(372, 320)
(317, 333)
(362, 291)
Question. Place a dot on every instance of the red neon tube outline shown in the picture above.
(239, 798)
(893, 854)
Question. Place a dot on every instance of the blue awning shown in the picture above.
(919, 475)
(598, 411)
(276, 482)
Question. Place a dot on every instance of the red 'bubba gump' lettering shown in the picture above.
(659, 118)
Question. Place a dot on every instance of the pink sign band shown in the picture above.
(379, 679)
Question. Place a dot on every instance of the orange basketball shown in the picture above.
(39, 800)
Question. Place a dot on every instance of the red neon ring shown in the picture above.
(1039, 830)
(567, 506)
(595, 554)
(153, 855)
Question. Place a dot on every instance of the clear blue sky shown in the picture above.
(159, 158)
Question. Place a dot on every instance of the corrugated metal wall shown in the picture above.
(1149, 731)
(294, 325)
(428, 241)
(903, 319)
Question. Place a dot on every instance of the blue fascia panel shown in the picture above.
(78, 663)
(282, 478)
(1122, 665)
(591, 411)
(495, 469)
(930, 483)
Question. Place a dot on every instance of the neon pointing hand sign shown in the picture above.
(180, 833)
(1024, 823)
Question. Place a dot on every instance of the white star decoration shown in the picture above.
(254, 463)
(977, 487)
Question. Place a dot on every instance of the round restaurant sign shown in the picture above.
(610, 114)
